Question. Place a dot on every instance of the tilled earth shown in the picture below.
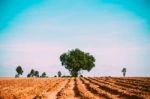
(75, 88)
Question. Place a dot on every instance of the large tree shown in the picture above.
(19, 71)
(77, 60)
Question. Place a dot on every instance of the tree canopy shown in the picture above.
(19, 71)
(59, 73)
(43, 74)
(124, 70)
(36, 73)
(77, 60)
(33, 73)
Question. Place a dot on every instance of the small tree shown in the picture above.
(59, 73)
(29, 75)
(36, 73)
(19, 71)
(124, 70)
(43, 74)
(77, 60)
(33, 73)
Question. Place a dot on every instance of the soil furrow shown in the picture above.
(114, 90)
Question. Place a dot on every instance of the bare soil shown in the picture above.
(75, 88)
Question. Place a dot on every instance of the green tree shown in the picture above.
(36, 73)
(29, 75)
(124, 70)
(59, 73)
(43, 74)
(33, 73)
(77, 60)
(19, 71)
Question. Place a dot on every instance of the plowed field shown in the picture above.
(75, 88)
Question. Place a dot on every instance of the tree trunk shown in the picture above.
(124, 74)
(74, 73)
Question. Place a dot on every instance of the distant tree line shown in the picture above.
(74, 61)
(33, 73)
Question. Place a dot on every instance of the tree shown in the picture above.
(124, 70)
(19, 71)
(29, 75)
(59, 74)
(36, 73)
(33, 73)
(43, 74)
(77, 60)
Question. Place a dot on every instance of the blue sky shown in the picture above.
(34, 33)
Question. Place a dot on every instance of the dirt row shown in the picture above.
(74, 88)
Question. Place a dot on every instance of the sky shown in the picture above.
(34, 33)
